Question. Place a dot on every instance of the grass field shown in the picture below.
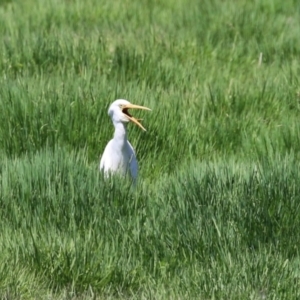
(216, 213)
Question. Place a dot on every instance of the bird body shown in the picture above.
(119, 156)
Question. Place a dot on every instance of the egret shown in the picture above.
(119, 156)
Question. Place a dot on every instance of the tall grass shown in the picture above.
(215, 214)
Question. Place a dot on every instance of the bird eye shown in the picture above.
(121, 106)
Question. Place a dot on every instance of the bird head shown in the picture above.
(118, 111)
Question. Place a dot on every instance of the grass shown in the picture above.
(216, 212)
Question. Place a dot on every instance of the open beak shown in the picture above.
(130, 117)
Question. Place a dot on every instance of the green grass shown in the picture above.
(216, 212)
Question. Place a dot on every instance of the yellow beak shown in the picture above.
(130, 117)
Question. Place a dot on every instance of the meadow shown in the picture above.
(216, 212)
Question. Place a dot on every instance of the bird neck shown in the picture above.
(120, 135)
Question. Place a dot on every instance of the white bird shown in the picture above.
(119, 156)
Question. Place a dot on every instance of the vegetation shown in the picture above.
(216, 213)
